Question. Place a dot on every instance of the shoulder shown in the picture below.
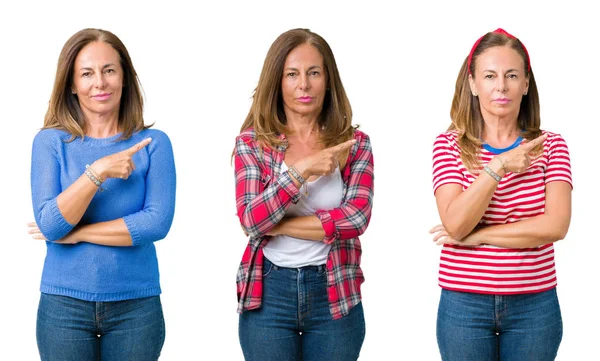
(553, 137)
(555, 144)
(445, 147)
(247, 136)
(447, 141)
(362, 148)
(152, 133)
(50, 137)
(450, 137)
(247, 140)
(155, 134)
(362, 139)
(359, 135)
(160, 139)
(52, 134)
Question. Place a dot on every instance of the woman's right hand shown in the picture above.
(118, 165)
(324, 162)
(518, 159)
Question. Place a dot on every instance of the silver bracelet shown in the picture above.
(494, 175)
(87, 166)
(93, 178)
(296, 175)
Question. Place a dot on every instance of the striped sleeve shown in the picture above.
(445, 161)
(559, 161)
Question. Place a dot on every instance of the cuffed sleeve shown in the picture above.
(261, 202)
(351, 219)
(45, 185)
(153, 222)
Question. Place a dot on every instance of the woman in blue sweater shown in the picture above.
(103, 190)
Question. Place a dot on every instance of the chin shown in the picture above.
(306, 110)
(502, 111)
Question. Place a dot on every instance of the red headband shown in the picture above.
(499, 31)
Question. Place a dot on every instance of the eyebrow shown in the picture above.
(104, 67)
(508, 71)
(310, 68)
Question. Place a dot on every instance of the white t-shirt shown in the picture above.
(324, 193)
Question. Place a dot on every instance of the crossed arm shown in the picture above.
(263, 213)
(549, 227)
(461, 210)
(58, 213)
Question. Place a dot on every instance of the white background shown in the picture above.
(198, 67)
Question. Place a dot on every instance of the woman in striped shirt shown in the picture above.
(304, 189)
(503, 192)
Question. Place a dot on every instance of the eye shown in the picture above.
(109, 71)
(86, 74)
(512, 76)
(488, 76)
(291, 75)
(314, 72)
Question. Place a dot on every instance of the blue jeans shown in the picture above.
(294, 322)
(479, 327)
(69, 329)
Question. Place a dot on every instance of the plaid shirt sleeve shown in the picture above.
(352, 218)
(259, 206)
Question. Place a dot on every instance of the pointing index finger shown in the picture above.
(343, 146)
(136, 148)
(532, 144)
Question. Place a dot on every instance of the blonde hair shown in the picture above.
(64, 111)
(465, 112)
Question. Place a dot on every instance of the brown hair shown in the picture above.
(64, 111)
(266, 114)
(466, 113)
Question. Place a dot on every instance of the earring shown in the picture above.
(73, 92)
(474, 94)
(525, 93)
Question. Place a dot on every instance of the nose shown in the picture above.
(501, 84)
(304, 83)
(99, 80)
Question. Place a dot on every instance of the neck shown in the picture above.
(500, 132)
(102, 125)
(303, 128)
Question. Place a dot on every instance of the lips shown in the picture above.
(102, 96)
(502, 100)
(304, 99)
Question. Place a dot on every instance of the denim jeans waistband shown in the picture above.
(318, 269)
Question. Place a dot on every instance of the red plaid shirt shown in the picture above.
(263, 196)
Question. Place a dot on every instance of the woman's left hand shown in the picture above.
(442, 237)
(37, 234)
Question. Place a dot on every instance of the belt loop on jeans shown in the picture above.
(321, 268)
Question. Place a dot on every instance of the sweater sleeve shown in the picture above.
(45, 185)
(153, 222)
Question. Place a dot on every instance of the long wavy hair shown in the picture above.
(266, 114)
(64, 111)
(465, 112)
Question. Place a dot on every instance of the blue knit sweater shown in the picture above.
(145, 201)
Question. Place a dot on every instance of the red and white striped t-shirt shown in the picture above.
(496, 270)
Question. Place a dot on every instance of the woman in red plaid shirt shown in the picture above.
(304, 191)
